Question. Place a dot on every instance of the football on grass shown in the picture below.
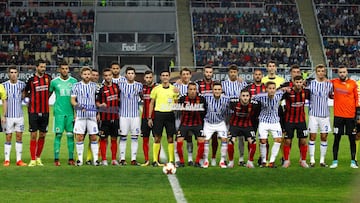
(169, 168)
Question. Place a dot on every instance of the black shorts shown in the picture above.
(38, 122)
(344, 126)
(186, 131)
(164, 119)
(109, 127)
(247, 132)
(145, 129)
(301, 130)
(358, 128)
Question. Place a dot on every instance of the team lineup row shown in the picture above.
(208, 109)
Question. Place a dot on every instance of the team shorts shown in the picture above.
(38, 122)
(188, 131)
(344, 126)
(164, 119)
(145, 129)
(219, 128)
(358, 128)
(129, 125)
(86, 125)
(247, 132)
(63, 122)
(109, 128)
(273, 128)
(301, 130)
(14, 125)
(316, 123)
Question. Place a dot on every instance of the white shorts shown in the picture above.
(210, 129)
(88, 125)
(14, 125)
(316, 123)
(273, 128)
(129, 125)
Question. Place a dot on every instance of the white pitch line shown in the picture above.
(175, 186)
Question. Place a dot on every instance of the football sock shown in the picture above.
(274, 151)
(267, 149)
(323, 148)
(263, 153)
(286, 152)
(146, 148)
(113, 148)
(214, 146)
(171, 152)
(80, 150)
(95, 150)
(312, 151)
(357, 148)
(40, 146)
(32, 149)
(352, 146)
(241, 146)
(231, 151)
(89, 152)
(252, 150)
(303, 151)
(190, 146)
(134, 147)
(103, 145)
(7, 150)
(179, 148)
(200, 152)
(336, 144)
(18, 148)
(176, 153)
(122, 147)
(206, 151)
(57, 142)
(156, 150)
(224, 149)
(70, 144)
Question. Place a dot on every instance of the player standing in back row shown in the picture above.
(37, 89)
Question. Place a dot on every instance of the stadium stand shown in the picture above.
(339, 23)
(249, 37)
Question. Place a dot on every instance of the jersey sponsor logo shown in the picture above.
(41, 88)
(112, 97)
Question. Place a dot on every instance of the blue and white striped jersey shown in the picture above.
(85, 96)
(216, 108)
(232, 89)
(14, 97)
(119, 79)
(319, 96)
(269, 107)
(130, 98)
(183, 89)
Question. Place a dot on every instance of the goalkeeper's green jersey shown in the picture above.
(62, 89)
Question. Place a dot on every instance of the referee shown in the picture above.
(163, 97)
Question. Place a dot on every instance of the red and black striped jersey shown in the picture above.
(204, 87)
(37, 89)
(194, 110)
(256, 89)
(146, 99)
(243, 114)
(110, 95)
(295, 105)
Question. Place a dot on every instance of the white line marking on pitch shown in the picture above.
(175, 185)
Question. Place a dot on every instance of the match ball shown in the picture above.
(26, 100)
(169, 169)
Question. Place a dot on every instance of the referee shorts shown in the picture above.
(164, 119)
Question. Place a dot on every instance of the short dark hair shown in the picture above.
(185, 69)
(271, 61)
(191, 83)
(63, 63)
(37, 63)
(298, 77)
(129, 69)
(208, 66)
(106, 70)
(294, 66)
(114, 63)
(12, 67)
(165, 71)
(148, 72)
(270, 83)
(233, 67)
(217, 83)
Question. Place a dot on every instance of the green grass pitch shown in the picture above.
(149, 184)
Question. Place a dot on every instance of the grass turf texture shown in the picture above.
(139, 184)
